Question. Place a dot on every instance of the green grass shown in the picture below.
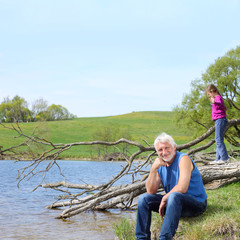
(125, 230)
(137, 126)
(220, 220)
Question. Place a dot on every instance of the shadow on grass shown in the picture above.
(212, 209)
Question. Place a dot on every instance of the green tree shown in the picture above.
(57, 112)
(15, 110)
(4, 108)
(106, 134)
(39, 108)
(112, 133)
(194, 113)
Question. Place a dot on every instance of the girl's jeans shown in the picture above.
(221, 151)
(178, 205)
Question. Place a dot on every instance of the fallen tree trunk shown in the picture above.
(132, 190)
(215, 172)
(213, 177)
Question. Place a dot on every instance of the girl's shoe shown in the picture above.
(220, 161)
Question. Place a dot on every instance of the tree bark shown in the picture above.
(213, 177)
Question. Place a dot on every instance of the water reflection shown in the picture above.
(23, 214)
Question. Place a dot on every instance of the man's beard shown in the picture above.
(169, 157)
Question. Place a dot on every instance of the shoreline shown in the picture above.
(20, 158)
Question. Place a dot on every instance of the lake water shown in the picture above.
(23, 214)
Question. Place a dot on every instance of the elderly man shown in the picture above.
(185, 194)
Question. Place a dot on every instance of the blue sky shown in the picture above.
(103, 58)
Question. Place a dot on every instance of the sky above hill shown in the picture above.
(110, 57)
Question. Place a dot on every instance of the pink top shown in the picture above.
(218, 108)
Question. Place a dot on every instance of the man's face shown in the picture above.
(166, 151)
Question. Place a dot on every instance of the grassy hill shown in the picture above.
(137, 126)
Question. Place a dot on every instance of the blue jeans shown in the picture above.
(221, 151)
(178, 205)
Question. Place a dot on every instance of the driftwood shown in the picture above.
(214, 176)
(105, 196)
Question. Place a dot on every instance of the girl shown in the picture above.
(219, 117)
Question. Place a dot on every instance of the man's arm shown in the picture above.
(154, 180)
(185, 170)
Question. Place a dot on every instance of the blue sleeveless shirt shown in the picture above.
(170, 175)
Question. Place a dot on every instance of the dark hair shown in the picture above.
(212, 88)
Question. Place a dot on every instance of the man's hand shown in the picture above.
(162, 206)
(158, 163)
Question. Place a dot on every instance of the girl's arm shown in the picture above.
(211, 99)
(218, 100)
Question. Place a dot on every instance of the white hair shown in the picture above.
(163, 138)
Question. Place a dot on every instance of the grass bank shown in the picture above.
(136, 126)
(219, 222)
